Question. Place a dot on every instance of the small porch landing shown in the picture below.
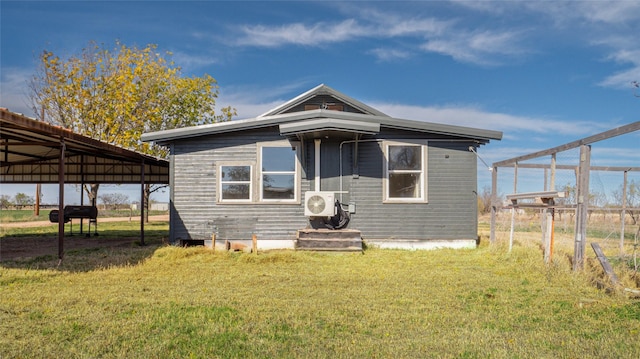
(338, 240)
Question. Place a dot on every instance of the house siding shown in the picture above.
(195, 213)
(449, 214)
(451, 209)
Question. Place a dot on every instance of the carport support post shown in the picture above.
(142, 203)
(82, 204)
(61, 200)
(36, 208)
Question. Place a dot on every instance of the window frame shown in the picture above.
(294, 147)
(423, 198)
(220, 183)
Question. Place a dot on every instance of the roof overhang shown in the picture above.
(30, 152)
(328, 127)
(322, 122)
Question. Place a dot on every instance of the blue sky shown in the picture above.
(543, 72)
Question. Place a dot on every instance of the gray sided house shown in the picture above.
(405, 184)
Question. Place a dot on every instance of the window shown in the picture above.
(405, 173)
(272, 177)
(278, 177)
(235, 183)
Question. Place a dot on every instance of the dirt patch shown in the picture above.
(12, 248)
(164, 217)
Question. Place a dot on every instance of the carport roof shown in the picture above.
(30, 152)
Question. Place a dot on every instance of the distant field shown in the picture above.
(27, 215)
(158, 301)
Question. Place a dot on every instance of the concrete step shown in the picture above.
(345, 240)
(329, 233)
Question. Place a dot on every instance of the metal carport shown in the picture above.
(33, 151)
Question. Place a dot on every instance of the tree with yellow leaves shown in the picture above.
(116, 95)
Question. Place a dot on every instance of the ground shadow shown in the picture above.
(81, 253)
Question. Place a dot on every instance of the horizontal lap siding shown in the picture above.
(452, 191)
(451, 209)
(449, 214)
(196, 215)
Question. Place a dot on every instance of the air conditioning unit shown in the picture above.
(319, 204)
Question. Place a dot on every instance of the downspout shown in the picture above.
(317, 142)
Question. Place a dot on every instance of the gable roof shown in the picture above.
(321, 92)
(293, 120)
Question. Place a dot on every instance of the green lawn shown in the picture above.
(166, 302)
(23, 215)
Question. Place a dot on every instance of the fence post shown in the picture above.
(513, 209)
(623, 213)
(254, 243)
(582, 196)
(494, 204)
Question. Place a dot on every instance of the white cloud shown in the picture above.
(246, 103)
(564, 13)
(610, 11)
(400, 27)
(389, 54)
(611, 24)
(252, 101)
(434, 35)
(13, 90)
(189, 61)
(251, 110)
(370, 24)
(623, 79)
(616, 155)
(473, 117)
(301, 34)
(607, 12)
(389, 24)
(476, 47)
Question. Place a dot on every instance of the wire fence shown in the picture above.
(609, 198)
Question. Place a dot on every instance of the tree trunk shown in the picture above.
(147, 195)
(92, 192)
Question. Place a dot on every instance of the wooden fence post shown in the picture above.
(582, 206)
(254, 242)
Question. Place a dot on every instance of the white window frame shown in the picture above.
(294, 146)
(423, 172)
(219, 167)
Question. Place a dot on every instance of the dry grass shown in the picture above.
(191, 302)
(603, 229)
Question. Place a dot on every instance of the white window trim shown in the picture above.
(423, 178)
(219, 166)
(296, 173)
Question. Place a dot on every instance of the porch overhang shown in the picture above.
(328, 127)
